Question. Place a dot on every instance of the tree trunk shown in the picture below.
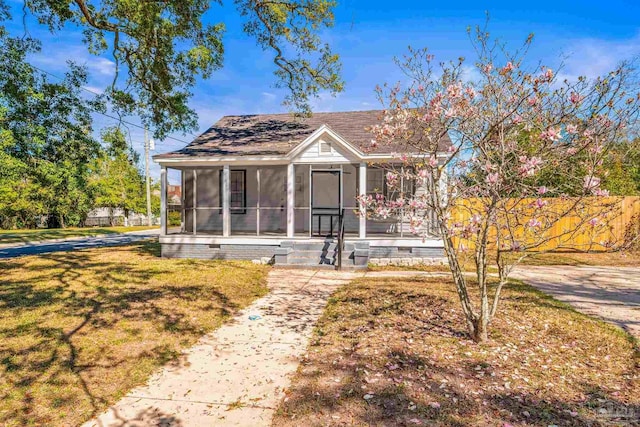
(480, 328)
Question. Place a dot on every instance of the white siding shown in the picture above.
(325, 149)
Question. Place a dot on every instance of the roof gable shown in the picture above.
(325, 144)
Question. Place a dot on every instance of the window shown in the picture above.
(375, 181)
(238, 191)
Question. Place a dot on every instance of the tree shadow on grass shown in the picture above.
(73, 311)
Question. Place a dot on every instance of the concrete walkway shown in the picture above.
(611, 293)
(76, 243)
(235, 376)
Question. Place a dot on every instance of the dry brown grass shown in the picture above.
(396, 353)
(79, 329)
(11, 237)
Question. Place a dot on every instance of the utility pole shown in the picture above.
(147, 148)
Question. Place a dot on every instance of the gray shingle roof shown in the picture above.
(277, 134)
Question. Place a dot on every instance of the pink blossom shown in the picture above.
(533, 101)
(421, 88)
(594, 221)
(529, 166)
(488, 167)
(600, 192)
(451, 149)
(534, 223)
(454, 90)
(392, 179)
(542, 190)
(575, 98)
(516, 246)
(551, 134)
(492, 178)
(423, 173)
(433, 162)
(374, 143)
(471, 93)
(383, 213)
(475, 219)
(548, 74)
(591, 183)
(572, 129)
(507, 68)
(539, 203)
(517, 119)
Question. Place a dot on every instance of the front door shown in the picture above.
(325, 202)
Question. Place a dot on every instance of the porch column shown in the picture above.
(163, 200)
(194, 201)
(291, 185)
(362, 191)
(226, 193)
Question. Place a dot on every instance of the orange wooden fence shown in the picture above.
(591, 224)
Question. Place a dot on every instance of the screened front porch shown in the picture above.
(285, 200)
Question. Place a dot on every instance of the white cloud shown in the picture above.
(470, 74)
(100, 65)
(592, 57)
(94, 89)
(55, 60)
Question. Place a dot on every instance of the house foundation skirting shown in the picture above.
(356, 254)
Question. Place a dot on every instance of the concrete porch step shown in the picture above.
(309, 261)
(328, 246)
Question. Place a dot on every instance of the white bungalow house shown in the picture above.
(281, 189)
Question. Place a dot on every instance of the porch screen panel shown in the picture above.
(188, 181)
(273, 200)
(243, 200)
(301, 206)
(175, 214)
(350, 192)
(208, 202)
(396, 222)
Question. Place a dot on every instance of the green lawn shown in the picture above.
(34, 235)
(396, 352)
(80, 329)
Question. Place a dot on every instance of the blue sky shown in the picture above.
(368, 35)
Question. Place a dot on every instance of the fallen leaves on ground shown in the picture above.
(402, 356)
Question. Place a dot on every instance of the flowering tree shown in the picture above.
(519, 137)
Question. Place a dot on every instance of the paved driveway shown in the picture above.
(611, 293)
(77, 243)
